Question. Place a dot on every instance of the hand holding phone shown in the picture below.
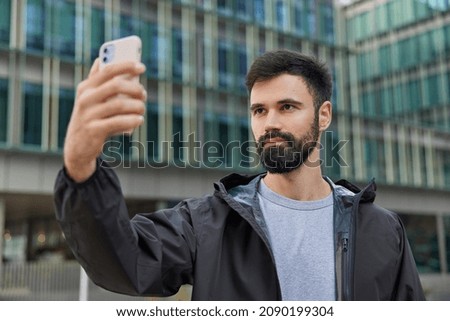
(121, 50)
(109, 101)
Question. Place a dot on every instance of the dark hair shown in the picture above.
(274, 63)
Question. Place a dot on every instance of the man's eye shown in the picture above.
(258, 111)
(288, 107)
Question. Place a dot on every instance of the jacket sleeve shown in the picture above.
(151, 254)
(409, 287)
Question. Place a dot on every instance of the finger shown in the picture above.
(119, 124)
(117, 69)
(94, 68)
(114, 88)
(117, 106)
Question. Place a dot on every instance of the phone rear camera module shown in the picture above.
(108, 54)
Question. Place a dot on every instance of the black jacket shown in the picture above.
(218, 243)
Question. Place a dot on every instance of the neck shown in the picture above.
(304, 183)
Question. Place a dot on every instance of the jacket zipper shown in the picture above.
(342, 267)
(345, 268)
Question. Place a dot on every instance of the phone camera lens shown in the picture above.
(105, 59)
(105, 50)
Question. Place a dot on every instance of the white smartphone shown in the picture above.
(120, 50)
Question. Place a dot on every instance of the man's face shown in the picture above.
(284, 122)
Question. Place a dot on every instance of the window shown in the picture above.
(149, 32)
(422, 235)
(242, 9)
(326, 22)
(259, 11)
(281, 15)
(35, 24)
(32, 114)
(312, 30)
(128, 25)
(242, 67)
(63, 28)
(66, 101)
(224, 66)
(177, 54)
(5, 13)
(3, 109)
(299, 19)
(177, 134)
(15, 241)
(152, 131)
(433, 92)
(385, 61)
(225, 6)
(245, 143)
(224, 128)
(97, 31)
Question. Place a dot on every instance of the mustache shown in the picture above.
(288, 137)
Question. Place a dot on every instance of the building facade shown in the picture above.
(390, 120)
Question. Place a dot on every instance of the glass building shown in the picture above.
(390, 100)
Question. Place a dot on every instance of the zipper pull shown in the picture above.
(345, 244)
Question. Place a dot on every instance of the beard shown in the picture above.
(290, 154)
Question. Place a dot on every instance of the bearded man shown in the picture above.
(286, 234)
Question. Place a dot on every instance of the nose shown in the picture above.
(273, 122)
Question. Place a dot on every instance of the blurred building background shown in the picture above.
(391, 66)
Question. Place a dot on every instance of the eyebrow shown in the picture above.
(280, 102)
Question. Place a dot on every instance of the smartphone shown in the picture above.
(120, 50)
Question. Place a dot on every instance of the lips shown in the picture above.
(274, 141)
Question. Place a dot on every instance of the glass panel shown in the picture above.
(259, 11)
(246, 144)
(422, 235)
(66, 101)
(242, 9)
(326, 22)
(32, 114)
(152, 131)
(3, 109)
(5, 14)
(225, 79)
(299, 19)
(224, 128)
(432, 86)
(281, 15)
(63, 28)
(149, 32)
(242, 67)
(177, 134)
(128, 25)
(177, 54)
(97, 31)
(35, 24)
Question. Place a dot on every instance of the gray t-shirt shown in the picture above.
(301, 236)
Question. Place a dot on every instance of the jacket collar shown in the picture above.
(245, 187)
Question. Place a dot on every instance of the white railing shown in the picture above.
(40, 281)
(54, 281)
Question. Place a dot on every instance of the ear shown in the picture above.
(325, 115)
